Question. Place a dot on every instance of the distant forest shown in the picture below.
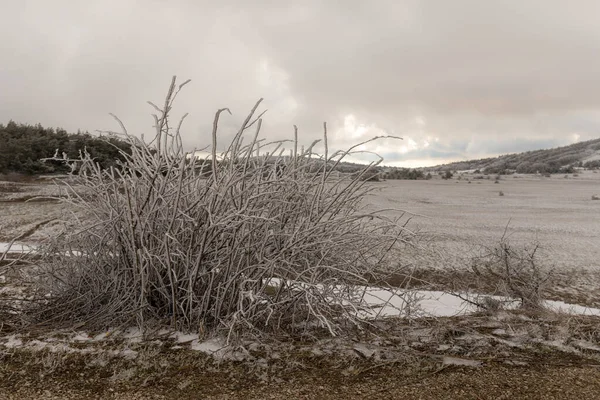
(22, 148)
(405, 173)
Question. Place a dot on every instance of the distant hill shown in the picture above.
(560, 159)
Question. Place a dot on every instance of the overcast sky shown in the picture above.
(456, 79)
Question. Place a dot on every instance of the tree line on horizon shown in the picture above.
(23, 148)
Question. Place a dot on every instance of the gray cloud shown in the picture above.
(460, 79)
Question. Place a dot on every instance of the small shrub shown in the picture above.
(402, 173)
(515, 272)
(595, 197)
(369, 176)
(447, 175)
(258, 245)
(501, 193)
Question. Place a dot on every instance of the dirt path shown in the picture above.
(494, 382)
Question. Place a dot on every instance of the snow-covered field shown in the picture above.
(445, 327)
(557, 212)
(459, 217)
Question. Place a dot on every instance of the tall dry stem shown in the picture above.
(238, 242)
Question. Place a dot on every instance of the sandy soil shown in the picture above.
(556, 383)
(492, 382)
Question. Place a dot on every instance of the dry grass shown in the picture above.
(239, 242)
(516, 272)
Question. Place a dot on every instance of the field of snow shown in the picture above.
(445, 328)
(459, 215)
(557, 212)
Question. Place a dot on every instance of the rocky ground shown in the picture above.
(505, 355)
(551, 379)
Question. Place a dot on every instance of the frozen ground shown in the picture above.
(30, 212)
(458, 217)
(565, 328)
(427, 303)
(559, 213)
(496, 356)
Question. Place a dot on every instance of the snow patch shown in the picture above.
(184, 338)
(128, 354)
(101, 336)
(423, 303)
(215, 347)
(13, 342)
(572, 309)
(81, 337)
(134, 335)
(585, 345)
(462, 362)
(5, 247)
(363, 350)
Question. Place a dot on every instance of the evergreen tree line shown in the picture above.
(22, 148)
(595, 164)
(405, 173)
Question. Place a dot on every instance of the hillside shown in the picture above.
(583, 154)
